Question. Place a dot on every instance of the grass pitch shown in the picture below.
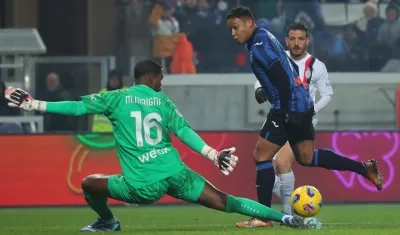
(179, 220)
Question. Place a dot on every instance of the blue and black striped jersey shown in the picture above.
(277, 73)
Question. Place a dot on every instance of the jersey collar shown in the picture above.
(251, 39)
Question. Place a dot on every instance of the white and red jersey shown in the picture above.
(315, 77)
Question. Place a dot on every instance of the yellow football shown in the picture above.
(306, 201)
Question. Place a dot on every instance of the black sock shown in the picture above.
(265, 182)
(332, 161)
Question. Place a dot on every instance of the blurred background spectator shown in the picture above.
(114, 81)
(54, 91)
(100, 122)
(5, 111)
(165, 29)
(307, 11)
(349, 49)
(389, 31)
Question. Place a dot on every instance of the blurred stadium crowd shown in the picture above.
(190, 36)
(366, 42)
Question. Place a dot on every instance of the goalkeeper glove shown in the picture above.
(224, 160)
(261, 95)
(21, 99)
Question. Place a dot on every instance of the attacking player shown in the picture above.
(151, 167)
(315, 77)
(291, 114)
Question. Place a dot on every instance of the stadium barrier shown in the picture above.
(46, 170)
(362, 101)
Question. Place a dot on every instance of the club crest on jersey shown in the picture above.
(178, 113)
(308, 74)
(93, 97)
(297, 81)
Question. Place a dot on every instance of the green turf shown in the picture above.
(178, 220)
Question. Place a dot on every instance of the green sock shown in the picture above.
(99, 205)
(252, 208)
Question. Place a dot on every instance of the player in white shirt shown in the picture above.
(315, 77)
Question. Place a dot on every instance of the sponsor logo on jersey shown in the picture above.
(155, 153)
(328, 83)
(93, 97)
(178, 113)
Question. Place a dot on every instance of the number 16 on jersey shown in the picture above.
(144, 126)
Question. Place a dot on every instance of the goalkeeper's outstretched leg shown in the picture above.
(215, 199)
(186, 185)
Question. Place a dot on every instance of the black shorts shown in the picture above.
(278, 129)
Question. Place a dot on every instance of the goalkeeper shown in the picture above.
(141, 117)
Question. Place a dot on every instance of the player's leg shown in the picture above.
(302, 141)
(191, 187)
(276, 190)
(96, 191)
(97, 188)
(283, 165)
(265, 176)
(325, 158)
(215, 199)
(272, 138)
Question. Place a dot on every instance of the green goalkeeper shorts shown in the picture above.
(186, 185)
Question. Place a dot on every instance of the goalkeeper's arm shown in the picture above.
(72, 108)
(225, 160)
(194, 141)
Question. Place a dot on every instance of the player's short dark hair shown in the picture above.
(239, 12)
(146, 67)
(298, 26)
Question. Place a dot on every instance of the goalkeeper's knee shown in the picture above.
(95, 184)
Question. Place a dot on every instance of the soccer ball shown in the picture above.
(306, 201)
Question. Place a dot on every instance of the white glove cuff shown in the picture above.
(209, 153)
(38, 105)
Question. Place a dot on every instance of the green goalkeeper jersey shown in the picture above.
(141, 119)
